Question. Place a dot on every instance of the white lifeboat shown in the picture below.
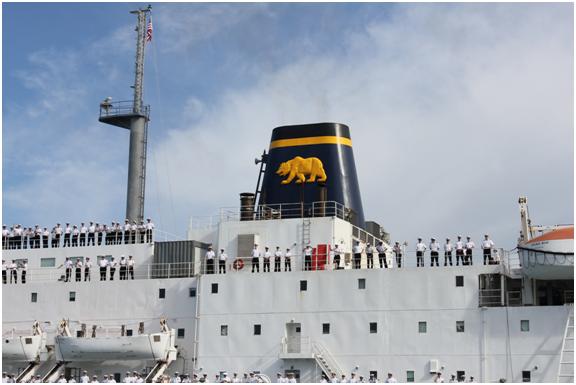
(550, 255)
(23, 348)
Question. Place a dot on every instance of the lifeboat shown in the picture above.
(549, 256)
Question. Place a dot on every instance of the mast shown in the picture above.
(134, 116)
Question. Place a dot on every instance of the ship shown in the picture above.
(320, 314)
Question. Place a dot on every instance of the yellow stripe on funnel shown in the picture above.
(310, 141)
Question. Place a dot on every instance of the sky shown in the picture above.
(455, 110)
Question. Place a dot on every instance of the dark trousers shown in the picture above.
(122, 273)
(86, 274)
(488, 256)
(287, 264)
(108, 238)
(142, 236)
(4, 242)
(78, 274)
(14, 276)
(37, 241)
(25, 242)
(255, 265)
(4, 276)
(68, 273)
(447, 257)
(209, 266)
(23, 278)
(45, 242)
(126, 237)
(149, 236)
(112, 272)
(18, 240)
(266, 265)
(370, 260)
(74, 240)
(307, 262)
(433, 258)
(90, 238)
(459, 257)
(469, 257)
(382, 260)
(222, 267)
(66, 240)
(133, 237)
(336, 262)
(131, 272)
(419, 258)
(102, 274)
(277, 264)
(82, 239)
(357, 260)
(399, 260)
(99, 238)
(117, 238)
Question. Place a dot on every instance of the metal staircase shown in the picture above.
(325, 360)
(28, 372)
(566, 366)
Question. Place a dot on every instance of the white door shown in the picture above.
(293, 337)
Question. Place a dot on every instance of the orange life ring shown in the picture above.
(238, 264)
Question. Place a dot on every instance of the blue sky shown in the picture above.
(455, 109)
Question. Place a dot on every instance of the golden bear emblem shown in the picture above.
(299, 167)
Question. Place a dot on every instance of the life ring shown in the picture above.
(238, 264)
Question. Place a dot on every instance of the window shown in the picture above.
(257, 330)
(192, 292)
(525, 325)
(361, 283)
(223, 330)
(180, 333)
(79, 334)
(34, 297)
(129, 333)
(325, 328)
(303, 285)
(28, 341)
(409, 376)
(525, 376)
(214, 288)
(374, 374)
(422, 327)
(162, 293)
(72, 296)
(459, 281)
(460, 375)
(47, 262)
(459, 326)
(373, 327)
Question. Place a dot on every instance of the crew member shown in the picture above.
(277, 259)
(149, 229)
(67, 232)
(369, 256)
(469, 246)
(391, 379)
(13, 272)
(123, 268)
(18, 233)
(222, 262)
(447, 252)
(45, 237)
(24, 267)
(255, 259)
(83, 231)
(357, 251)
(459, 251)
(420, 249)
(308, 258)
(68, 268)
(103, 265)
(87, 267)
(37, 236)
(398, 253)
(91, 233)
(113, 264)
(78, 270)
(434, 248)
(210, 255)
(109, 233)
(288, 260)
(487, 246)
(75, 234)
(127, 229)
(99, 232)
(118, 234)
(131, 267)
(267, 255)
(56, 240)
(382, 255)
(4, 271)
(336, 257)
(133, 232)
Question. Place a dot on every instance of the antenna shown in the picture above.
(134, 116)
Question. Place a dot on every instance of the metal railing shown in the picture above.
(296, 345)
(514, 298)
(123, 107)
(489, 297)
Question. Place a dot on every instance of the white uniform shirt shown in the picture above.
(68, 264)
(470, 245)
(420, 247)
(83, 229)
(434, 246)
(380, 249)
(447, 247)
(92, 229)
(134, 227)
(88, 265)
(123, 262)
(278, 254)
(255, 253)
(5, 232)
(487, 244)
(267, 255)
(113, 264)
(130, 262)
(4, 266)
(308, 251)
(84, 379)
(391, 380)
(210, 254)
(149, 226)
(68, 230)
(357, 249)
(103, 262)
(46, 233)
(58, 230)
(78, 264)
(75, 231)
(459, 245)
(223, 256)
(288, 254)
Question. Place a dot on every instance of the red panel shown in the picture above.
(319, 257)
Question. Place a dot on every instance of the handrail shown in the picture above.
(110, 108)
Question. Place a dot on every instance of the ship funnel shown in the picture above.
(312, 165)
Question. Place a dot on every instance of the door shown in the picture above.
(293, 337)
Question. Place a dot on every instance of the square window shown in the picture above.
(223, 330)
(79, 334)
(257, 330)
(422, 327)
(460, 375)
(361, 283)
(526, 376)
(162, 293)
(459, 326)
(72, 296)
(409, 376)
(28, 341)
(374, 375)
(47, 262)
(459, 281)
(373, 327)
(34, 297)
(214, 288)
(303, 285)
(325, 328)
(129, 333)
(525, 325)
(192, 292)
(180, 333)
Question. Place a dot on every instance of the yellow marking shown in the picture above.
(310, 141)
(299, 168)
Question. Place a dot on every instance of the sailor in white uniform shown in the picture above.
(149, 230)
(5, 235)
(336, 257)
(100, 233)
(357, 251)
(123, 266)
(45, 237)
(58, 231)
(487, 246)
(469, 246)
(308, 258)
(267, 256)
(447, 252)
(75, 235)
(83, 232)
(255, 259)
(24, 268)
(91, 233)
(103, 265)
(113, 265)
(382, 255)
(4, 272)
(459, 251)
(398, 253)
(68, 267)
(131, 267)
(370, 256)
(420, 249)
(78, 270)
(87, 268)
(277, 259)
(210, 256)
(222, 262)
(434, 249)
(288, 260)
